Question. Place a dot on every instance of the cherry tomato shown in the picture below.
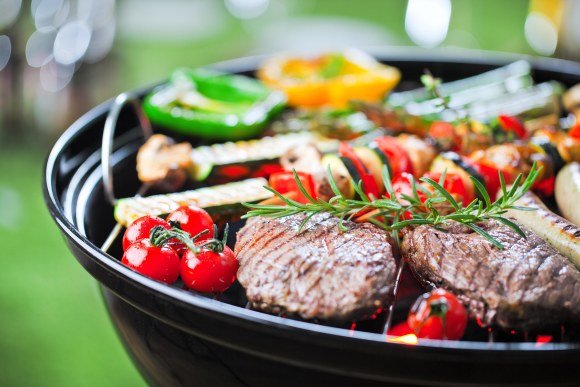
(160, 263)
(445, 135)
(208, 270)
(454, 185)
(575, 131)
(193, 220)
(284, 182)
(513, 124)
(369, 183)
(398, 157)
(141, 229)
(438, 315)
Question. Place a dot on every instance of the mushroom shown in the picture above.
(303, 158)
(162, 163)
(307, 158)
(571, 101)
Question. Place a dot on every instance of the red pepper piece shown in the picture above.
(398, 157)
(454, 185)
(545, 187)
(513, 124)
(575, 131)
(284, 182)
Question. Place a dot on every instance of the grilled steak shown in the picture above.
(319, 273)
(526, 285)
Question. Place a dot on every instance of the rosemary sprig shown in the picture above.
(393, 213)
(432, 84)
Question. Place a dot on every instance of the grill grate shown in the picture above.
(404, 294)
(405, 290)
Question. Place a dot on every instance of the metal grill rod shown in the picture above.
(109, 136)
(394, 300)
(107, 151)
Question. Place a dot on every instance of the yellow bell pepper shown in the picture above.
(329, 80)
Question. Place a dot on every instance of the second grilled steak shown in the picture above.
(526, 285)
(319, 273)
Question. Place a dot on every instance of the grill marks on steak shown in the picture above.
(319, 273)
(526, 285)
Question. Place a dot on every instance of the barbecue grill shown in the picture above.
(178, 337)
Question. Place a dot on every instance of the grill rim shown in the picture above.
(115, 276)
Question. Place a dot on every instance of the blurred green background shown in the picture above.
(58, 58)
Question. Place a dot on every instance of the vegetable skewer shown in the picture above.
(168, 165)
(217, 199)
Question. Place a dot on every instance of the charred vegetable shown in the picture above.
(213, 105)
(342, 124)
(218, 163)
(164, 164)
(329, 80)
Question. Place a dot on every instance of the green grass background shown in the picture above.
(53, 324)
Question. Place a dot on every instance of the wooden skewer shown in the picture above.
(118, 228)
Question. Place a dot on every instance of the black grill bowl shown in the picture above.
(177, 337)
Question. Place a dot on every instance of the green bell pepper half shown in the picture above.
(213, 105)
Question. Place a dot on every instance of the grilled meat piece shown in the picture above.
(319, 273)
(526, 285)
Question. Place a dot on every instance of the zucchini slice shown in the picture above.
(384, 158)
(215, 163)
(373, 162)
(218, 200)
(340, 174)
(351, 168)
(453, 163)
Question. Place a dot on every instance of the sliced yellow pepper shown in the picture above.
(329, 80)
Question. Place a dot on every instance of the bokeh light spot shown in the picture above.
(71, 42)
(541, 33)
(427, 21)
(9, 10)
(49, 13)
(5, 50)
(39, 46)
(55, 76)
(247, 9)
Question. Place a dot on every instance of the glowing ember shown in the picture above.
(377, 313)
(543, 339)
(409, 339)
(400, 329)
(352, 329)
